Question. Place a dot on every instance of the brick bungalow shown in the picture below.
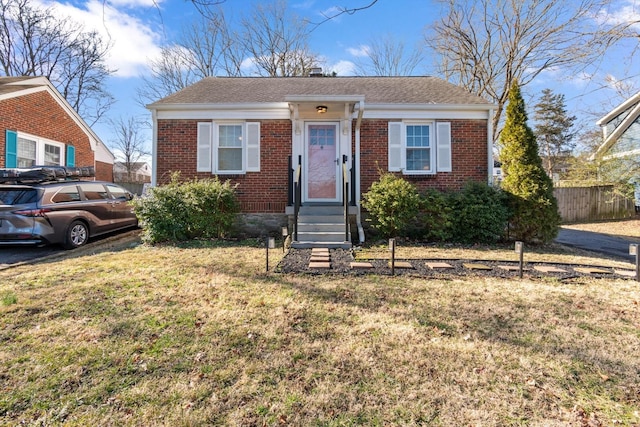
(306, 148)
(39, 127)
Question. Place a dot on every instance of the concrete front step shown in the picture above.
(324, 227)
(321, 226)
(321, 236)
(329, 245)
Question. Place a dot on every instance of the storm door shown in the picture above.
(322, 162)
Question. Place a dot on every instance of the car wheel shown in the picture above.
(77, 235)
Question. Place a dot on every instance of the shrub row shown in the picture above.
(476, 214)
(180, 211)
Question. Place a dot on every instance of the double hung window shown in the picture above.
(420, 147)
(33, 151)
(228, 147)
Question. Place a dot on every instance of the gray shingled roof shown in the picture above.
(6, 87)
(377, 90)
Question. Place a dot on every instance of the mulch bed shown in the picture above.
(297, 261)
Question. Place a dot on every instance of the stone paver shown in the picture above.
(513, 268)
(320, 258)
(476, 266)
(401, 264)
(436, 265)
(627, 273)
(321, 265)
(357, 264)
(549, 269)
(591, 270)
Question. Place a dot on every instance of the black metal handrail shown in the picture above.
(297, 186)
(345, 198)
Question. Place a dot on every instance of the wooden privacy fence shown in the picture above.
(583, 204)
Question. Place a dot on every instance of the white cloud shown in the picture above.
(629, 12)
(360, 51)
(133, 42)
(342, 68)
(134, 3)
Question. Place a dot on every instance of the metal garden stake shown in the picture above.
(633, 250)
(519, 248)
(270, 244)
(392, 248)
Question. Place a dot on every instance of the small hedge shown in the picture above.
(392, 203)
(476, 214)
(181, 211)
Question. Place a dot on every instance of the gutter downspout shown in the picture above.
(154, 148)
(490, 146)
(357, 136)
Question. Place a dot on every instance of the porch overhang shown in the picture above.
(337, 106)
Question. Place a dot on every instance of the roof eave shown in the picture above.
(619, 109)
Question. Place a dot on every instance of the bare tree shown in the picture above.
(485, 45)
(273, 40)
(386, 56)
(33, 42)
(205, 48)
(129, 144)
(341, 11)
(277, 42)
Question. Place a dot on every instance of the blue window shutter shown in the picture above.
(11, 149)
(71, 156)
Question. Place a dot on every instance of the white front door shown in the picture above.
(322, 165)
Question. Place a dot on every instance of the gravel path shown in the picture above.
(297, 261)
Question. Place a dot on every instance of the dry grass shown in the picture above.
(203, 336)
(623, 228)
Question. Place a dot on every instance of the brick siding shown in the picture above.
(266, 191)
(40, 115)
(468, 154)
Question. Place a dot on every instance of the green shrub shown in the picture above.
(392, 203)
(434, 220)
(480, 214)
(183, 211)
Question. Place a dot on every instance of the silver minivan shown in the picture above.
(62, 212)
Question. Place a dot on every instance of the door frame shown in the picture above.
(338, 151)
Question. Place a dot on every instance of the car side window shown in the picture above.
(67, 194)
(117, 192)
(94, 191)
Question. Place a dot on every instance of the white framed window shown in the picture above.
(32, 150)
(419, 147)
(228, 147)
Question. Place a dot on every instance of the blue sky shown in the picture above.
(137, 29)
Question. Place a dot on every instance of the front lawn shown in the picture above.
(202, 335)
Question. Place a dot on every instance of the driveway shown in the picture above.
(14, 255)
(611, 246)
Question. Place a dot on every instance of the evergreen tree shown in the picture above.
(534, 215)
(553, 129)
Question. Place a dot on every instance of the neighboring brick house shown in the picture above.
(39, 127)
(256, 132)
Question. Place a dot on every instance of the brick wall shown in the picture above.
(40, 115)
(266, 191)
(104, 171)
(468, 153)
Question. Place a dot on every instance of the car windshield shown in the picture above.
(13, 196)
